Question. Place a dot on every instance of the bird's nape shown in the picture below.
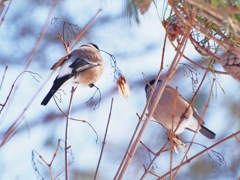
(150, 83)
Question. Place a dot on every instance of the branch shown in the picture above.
(3, 77)
(1, 6)
(202, 152)
(170, 73)
(104, 141)
(66, 132)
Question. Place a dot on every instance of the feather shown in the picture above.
(59, 62)
(58, 82)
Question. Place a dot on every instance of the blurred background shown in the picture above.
(136, 43)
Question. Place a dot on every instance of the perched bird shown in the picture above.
(172, 103)
(83, 66)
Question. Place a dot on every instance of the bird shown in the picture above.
(83, 66)
(172, 103)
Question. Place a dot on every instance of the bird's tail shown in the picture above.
(48, 97)
(206, 132)
(56, 85)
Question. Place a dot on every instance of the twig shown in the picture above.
(85, 29)
(49, 165)
(66, 132)
(170, 73)
(11, 90)
(3, 18)
(3, 77)
(198, 65)
(74, 119)
(147, 148)
(104, 140)
(42, 34)
(12, 128)
(171, 140)
(155, 157)
(192, 100)
(140, 118)
(200, 122)
(128, 148)
(202, 152)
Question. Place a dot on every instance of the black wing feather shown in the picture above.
(58, 82)
(80, 65)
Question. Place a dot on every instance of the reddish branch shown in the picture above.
(104, 140)
(1, 6)
(66, 132)
(201, 153)
(170, 73)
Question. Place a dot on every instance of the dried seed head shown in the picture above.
(231, 63)
(176, 28)
(123, 87)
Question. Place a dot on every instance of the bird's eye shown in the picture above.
(152, 82)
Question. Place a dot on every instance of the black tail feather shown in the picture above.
(56, 85)
(206, 132)
(48, 97)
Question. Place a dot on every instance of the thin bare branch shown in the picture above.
(3, 77)
(74, 119)
(3, 17)
(66, 147)
(170, 73)
(147, 170)
(42, 34)
(200, 122)
(85, 29)
(104, 140)
(10, 131)
(12, 87)
(201, 153)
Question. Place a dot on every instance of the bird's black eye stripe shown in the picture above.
(150, 83)
(94, 46)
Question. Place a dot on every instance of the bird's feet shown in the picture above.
(91, 101)
(177, 142)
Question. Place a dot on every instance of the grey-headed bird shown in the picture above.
(172, 103)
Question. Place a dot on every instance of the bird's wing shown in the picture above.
(195, 112)
(197, 116)
(80, 65)
(59, 62)
(181, 103)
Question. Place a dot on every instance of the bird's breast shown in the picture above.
(89, 76)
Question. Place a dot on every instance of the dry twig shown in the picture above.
(104, 141)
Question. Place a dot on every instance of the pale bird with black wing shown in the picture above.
(173, 111)
(83, 66)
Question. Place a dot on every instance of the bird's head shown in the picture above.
(90, 45)
(151, 83)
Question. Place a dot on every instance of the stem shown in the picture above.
(104, 140)
(170, 73)
(202, 152)
(66, 132)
